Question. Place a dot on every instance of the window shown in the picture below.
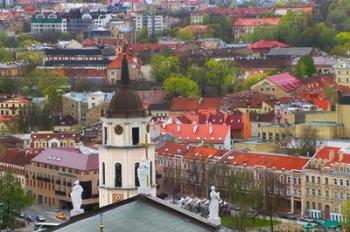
(313, 192)
(118, 175)
(341, 182)
(105, 135)
(347, 182)
(326, 180)
(313, 179)
(327, 194)
(137, 183)
(103, 173)
(319, 180)
(135, 135)
(307, 179)
(319, 192)
(335, 181)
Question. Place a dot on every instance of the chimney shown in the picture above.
(178, 128)
(210, 129)
(341, 155)
(331, 154)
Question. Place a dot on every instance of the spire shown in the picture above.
(125, 80)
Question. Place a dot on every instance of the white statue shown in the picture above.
(214, 207)
(76, 198)
(142, 174)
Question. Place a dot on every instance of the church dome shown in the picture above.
(125, 103)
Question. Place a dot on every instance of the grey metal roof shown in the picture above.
(293, 51)
(139, 214)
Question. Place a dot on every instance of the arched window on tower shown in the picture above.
(118, 175)
(103, 173)
(137, 183)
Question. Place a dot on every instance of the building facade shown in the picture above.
(52, 173)
(125, 142)
(51, 22)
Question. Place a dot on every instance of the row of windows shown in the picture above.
(341, 182)
(340, 196)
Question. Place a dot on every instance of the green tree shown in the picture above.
(292, 26)
(27, 42)
(342, 44)
(331, 95)
(12, 199)
(221, 72)
(345, 211)
(339, 14)
(185, 34)
(35, 58)
(220, 26)
(8, 85)
(163, 66)
(261, 33)
(305, 67)
(177, 85)
(253, 79)
(41, 82)
(198, 75)
(319, 35)
(5, 55)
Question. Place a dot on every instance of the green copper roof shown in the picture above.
(140, 216)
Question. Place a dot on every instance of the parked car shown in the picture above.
(289, 216)
(307, 219)
(22, 214)
(40, 218)
(30, 218)
(61, 216)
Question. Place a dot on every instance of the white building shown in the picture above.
(125, 142)
(154, 23)
(48, 23)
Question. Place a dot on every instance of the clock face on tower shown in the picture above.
(118, 129)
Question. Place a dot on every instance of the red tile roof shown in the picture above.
(117, 62)
(245, 99)
(204, 153)
(209, 103)
(6, 118)
(190, 133)
(171, 149)
(267, 44)
(333, 155)
(277, 161)
(184, 104)
(243, 22)
(16, 157)
(286, 81)
(190, 152)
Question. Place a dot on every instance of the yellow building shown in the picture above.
(12, 106)
(327, 125)
(342, 73)
(325, 183)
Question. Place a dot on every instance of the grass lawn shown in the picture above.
(231, 221)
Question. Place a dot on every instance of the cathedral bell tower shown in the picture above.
(125, 142)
